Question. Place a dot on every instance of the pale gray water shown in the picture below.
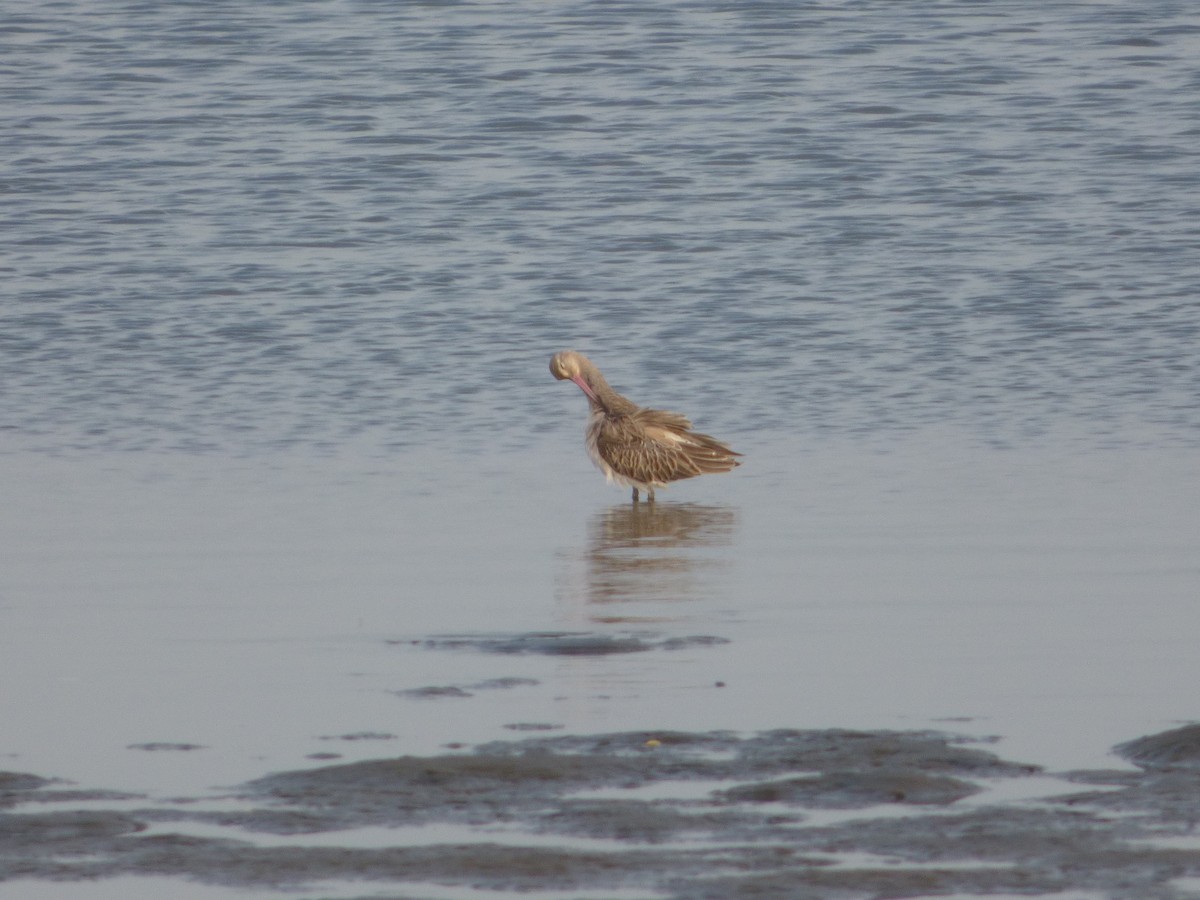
(281, 281)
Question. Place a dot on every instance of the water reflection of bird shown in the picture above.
(645, 553)
(634, 446)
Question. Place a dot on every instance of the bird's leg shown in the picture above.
(635, 495)
(649, 495)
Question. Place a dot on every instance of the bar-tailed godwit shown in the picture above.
(637, 447)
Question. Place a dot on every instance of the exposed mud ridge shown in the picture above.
(566, 643)
(462, 691)
(796, 814)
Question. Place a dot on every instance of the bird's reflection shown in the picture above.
(651, 552)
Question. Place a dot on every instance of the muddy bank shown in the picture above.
(566, 643)
(690, 815)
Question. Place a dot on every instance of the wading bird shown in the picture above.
(637, 447)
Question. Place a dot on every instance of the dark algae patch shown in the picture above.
(785, 813)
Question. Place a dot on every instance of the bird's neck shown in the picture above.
(607, 400)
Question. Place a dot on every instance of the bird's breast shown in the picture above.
(592, 441)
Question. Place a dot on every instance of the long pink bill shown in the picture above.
(585, 387)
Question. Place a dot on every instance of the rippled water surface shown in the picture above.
(246, 227)
(285, 478)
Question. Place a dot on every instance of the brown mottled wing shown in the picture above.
(656, 447)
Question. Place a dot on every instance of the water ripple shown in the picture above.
(367, 222)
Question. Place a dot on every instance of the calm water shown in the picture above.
(280, 283)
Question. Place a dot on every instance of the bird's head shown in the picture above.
(569, 365)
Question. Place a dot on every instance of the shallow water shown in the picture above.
(1046, 600)
(284, 470)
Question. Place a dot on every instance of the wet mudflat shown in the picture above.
(819, 813)
(286, 484)
(904, 680)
